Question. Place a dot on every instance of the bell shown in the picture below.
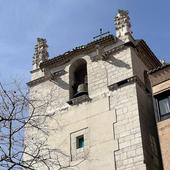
(81, 90)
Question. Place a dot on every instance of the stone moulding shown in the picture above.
(58, 73)
(36, 70)
(38, 81)
(52, 76)
(79, 100)
(67, 56)
(139, 45)
(125, 82)
(106, 54)
(163, 66)
(143, 50)
(122, 83)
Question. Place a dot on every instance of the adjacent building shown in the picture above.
(160, 81)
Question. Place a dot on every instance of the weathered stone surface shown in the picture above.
(113, 121)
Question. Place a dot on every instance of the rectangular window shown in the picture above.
(80, 142)
(163, 101)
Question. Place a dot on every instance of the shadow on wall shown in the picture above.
(119, 63)
(62, 84)
(112, 60)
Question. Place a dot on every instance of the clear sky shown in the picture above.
(69, 23)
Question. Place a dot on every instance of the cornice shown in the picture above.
(125, 82)
(34, 71)
(146, 55)
(116, 49)
(84, 49)
(163, 66)
(106, 54)
(52, 76)
(38, 81)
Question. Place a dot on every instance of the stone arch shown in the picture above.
(78, 84)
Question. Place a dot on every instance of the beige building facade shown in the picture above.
(103, 100)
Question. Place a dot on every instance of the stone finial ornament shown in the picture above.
(41, 53)
(122, 24)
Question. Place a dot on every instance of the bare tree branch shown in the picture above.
(20, 115)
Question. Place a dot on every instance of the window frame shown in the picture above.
(78, 143)
(161, 96)
(78, 153)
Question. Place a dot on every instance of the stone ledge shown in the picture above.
(121, 83)
(128, 81)
(79, 100)
(38, 81)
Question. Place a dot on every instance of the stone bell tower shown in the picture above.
(103, 103)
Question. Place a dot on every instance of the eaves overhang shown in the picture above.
(107, 40)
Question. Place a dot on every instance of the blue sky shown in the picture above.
(69, 23)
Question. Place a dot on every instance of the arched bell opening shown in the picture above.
(78, 79)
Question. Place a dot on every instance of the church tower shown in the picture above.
(103, 101)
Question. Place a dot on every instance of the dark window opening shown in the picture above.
(80, 142)
(163, 102)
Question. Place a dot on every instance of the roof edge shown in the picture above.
(77, 50)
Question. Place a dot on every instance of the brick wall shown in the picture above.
(164, 131)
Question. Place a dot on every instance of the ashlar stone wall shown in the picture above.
(110, 121)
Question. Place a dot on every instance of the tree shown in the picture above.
(19, 114)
